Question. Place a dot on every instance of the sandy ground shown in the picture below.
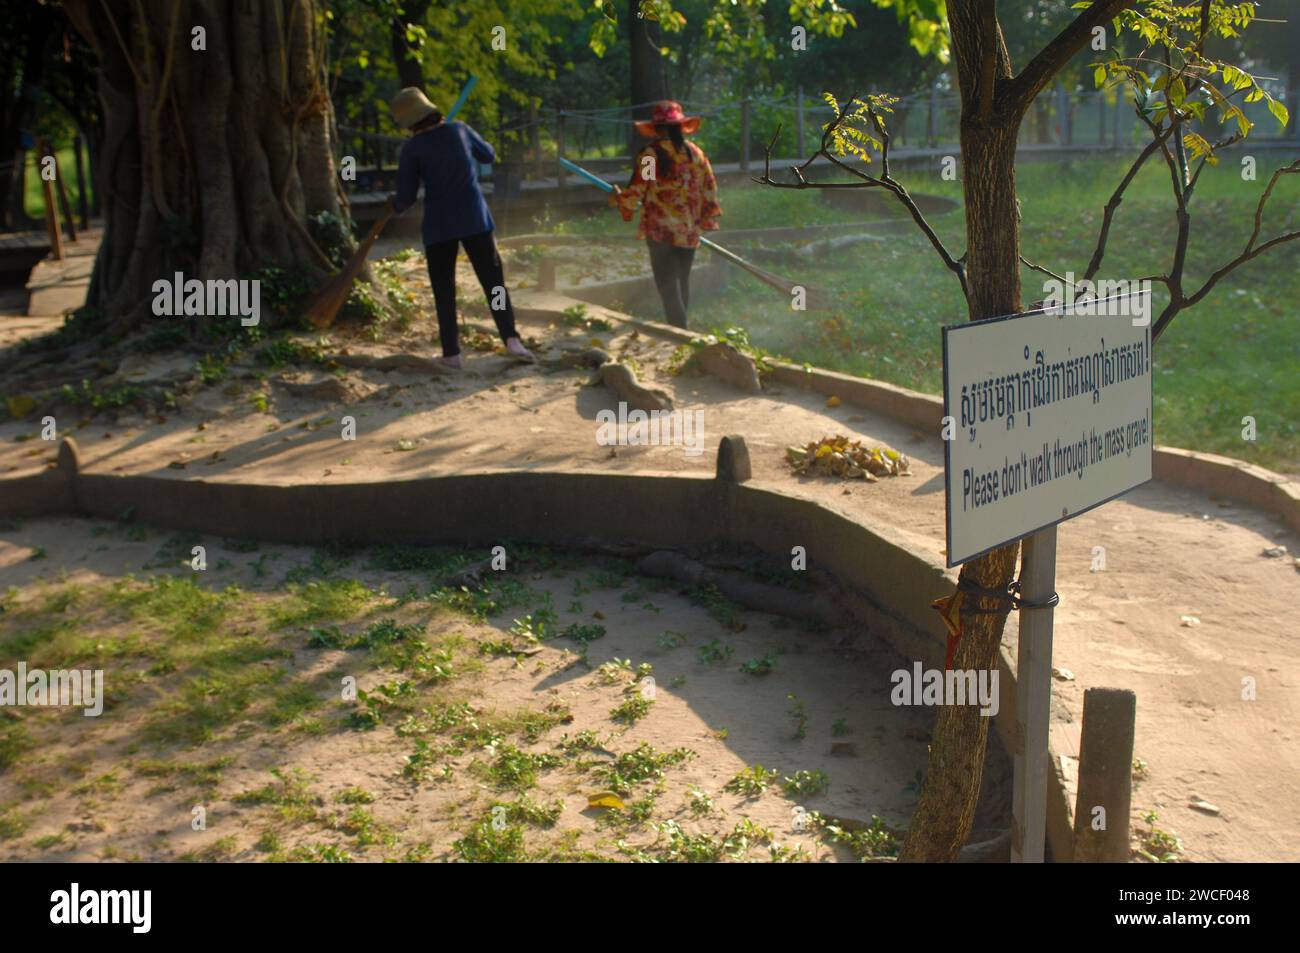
(95, 788)
(1169, 553)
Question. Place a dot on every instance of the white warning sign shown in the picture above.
(1052, 416)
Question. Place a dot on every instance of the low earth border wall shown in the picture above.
(868, 562)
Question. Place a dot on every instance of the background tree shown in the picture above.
(217, 144)
(25, 46)
(378, 46)
(1175, 87)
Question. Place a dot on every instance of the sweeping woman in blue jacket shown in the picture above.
(444, 157)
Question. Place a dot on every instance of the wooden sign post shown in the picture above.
(1047, 415)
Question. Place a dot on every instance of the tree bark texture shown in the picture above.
(212, 159)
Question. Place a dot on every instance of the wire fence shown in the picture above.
(529, 145)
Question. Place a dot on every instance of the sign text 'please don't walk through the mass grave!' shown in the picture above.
(1052, 416)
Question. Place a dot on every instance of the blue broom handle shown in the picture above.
(590, 177)
(464, 95)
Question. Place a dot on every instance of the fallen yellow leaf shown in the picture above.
(20, 405)
(605, 799)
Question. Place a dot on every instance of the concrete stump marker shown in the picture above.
(1105, 775)
(546, 274)
(733, 460)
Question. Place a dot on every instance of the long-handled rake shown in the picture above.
(784, 285)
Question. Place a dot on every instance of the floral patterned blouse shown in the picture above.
(675, 208)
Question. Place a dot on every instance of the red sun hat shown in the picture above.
(668, 113)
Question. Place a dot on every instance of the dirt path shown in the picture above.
(1169, 553)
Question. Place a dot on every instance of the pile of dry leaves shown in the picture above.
(837, 456)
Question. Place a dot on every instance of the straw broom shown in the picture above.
(324, 307)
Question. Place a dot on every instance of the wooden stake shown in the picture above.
(51, 220)
(1105, 776)
(64, 204)
(535, 139)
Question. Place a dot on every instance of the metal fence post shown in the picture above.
(930, 131)
(535, 139)
(744, 134)
(559, 152)
(798, 125)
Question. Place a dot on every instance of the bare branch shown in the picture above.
(884, 181)
(1051, 274)
(1108, 213)
(1178, 301)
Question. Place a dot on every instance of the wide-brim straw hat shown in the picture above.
(668, 113)
(410, 106)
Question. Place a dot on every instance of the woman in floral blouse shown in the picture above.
(674, 185)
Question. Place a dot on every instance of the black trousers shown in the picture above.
(672, 269)
(483, 255)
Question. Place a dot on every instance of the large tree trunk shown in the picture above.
(946, 811)
(212, 159)
(993, 103)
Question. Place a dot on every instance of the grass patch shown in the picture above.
(516, 770)
(290, 794)
(876, 839)
(751, 782)
(201, 774)
(176, 603)
(642, 764)
(321, 601)
(807, 783)
(489, 842)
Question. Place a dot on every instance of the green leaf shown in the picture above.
(1279, 112)
(1099, 76)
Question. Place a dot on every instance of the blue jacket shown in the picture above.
(445, 158)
